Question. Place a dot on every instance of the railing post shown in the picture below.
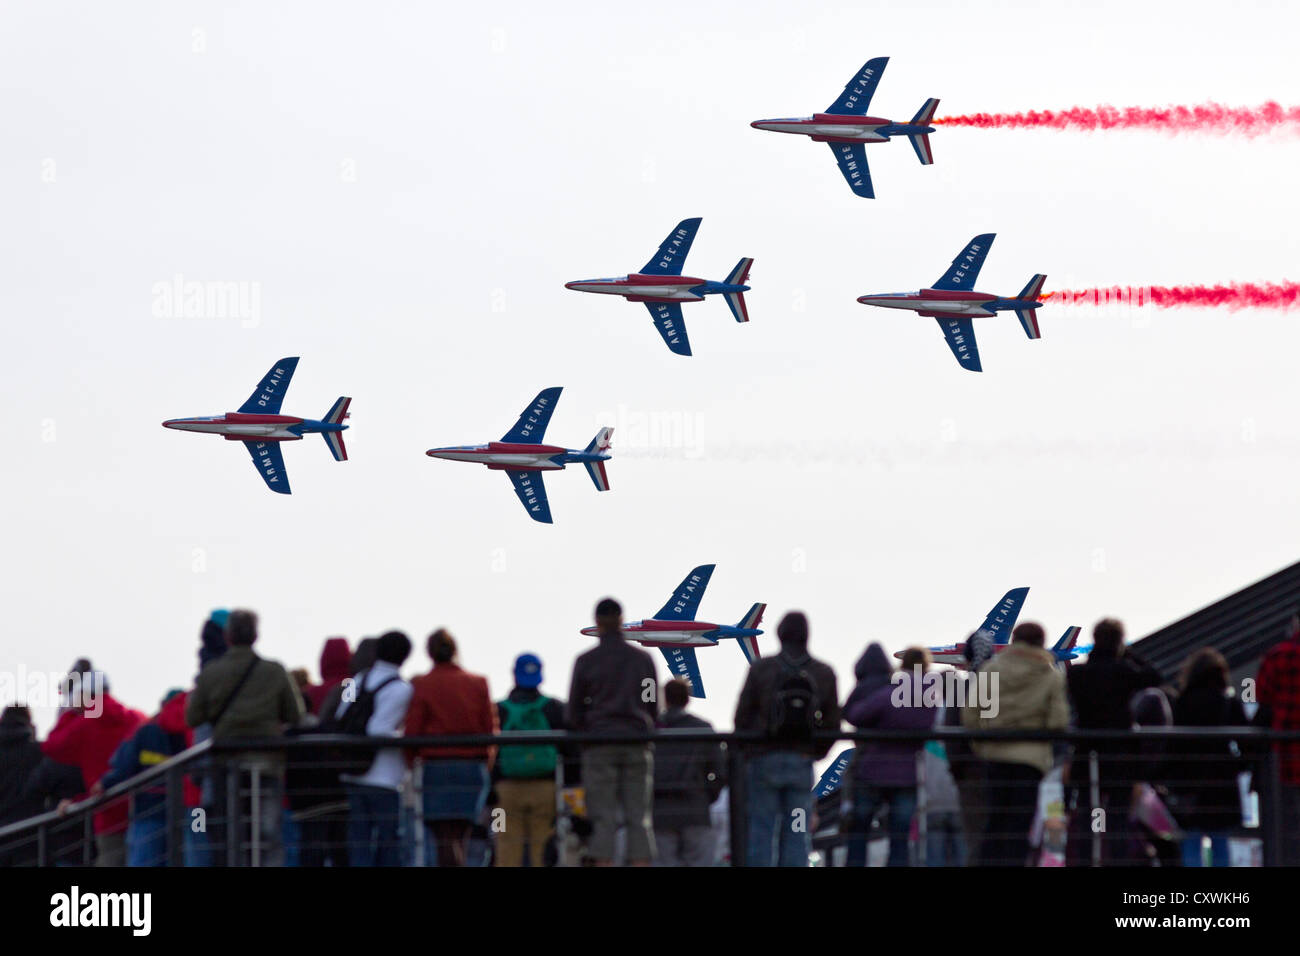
(1271, 810)
(174, 817)
(737, 804)
(421, 831)
(87, 837)
(922, 807)
(255, 815)
(231, 823)
(1094, 797)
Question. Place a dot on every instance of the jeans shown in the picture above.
(146, 837)
(945, 843)
(1218, 848)
(374, 833)
(867, 801)
(1012, 801)
(780, 809)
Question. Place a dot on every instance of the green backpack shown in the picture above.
(517, 760)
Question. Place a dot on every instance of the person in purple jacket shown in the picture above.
(884, 773)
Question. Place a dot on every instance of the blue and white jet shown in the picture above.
(261, 427)
(955, 304)
(847, 128)
(677, 634)
(522, 456)
(662, 287)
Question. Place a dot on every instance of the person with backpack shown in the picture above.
(689, 776)
(375, 706)
(525, 775)
(785, 701)
(243, 695)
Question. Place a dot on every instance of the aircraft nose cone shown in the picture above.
(571, 285)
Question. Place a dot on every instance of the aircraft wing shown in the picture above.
(682, 663)
(270, 390)
(833, 778)
(269, 461)
(960, 334)
(533, 420)
(1003, 617)
(670, 258)
(686, 599)
(852, 158)
(532, 494)
(668, 320)
(856, 98)
(965, 269)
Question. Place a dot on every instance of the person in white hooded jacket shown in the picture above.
(374, 798)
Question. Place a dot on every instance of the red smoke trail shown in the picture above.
(1232, 296)
(1208, 117)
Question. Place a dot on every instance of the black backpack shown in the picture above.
(795, 711)
(352, 722)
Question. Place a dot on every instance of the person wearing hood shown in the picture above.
(884, 773)
(20, 755)
(1030, 695)
(85, 736)
(1100, 690)
(317, 798)
(525, 776)
(155, 742)
(1202, 775)
(335, 668)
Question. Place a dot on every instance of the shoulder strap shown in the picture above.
(230, 699)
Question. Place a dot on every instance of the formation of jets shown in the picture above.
(677, 634)
(847, 128)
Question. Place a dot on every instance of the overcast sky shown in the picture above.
(405, 189)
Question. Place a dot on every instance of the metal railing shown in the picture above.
(223, 762)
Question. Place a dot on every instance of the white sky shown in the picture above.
(828, 456)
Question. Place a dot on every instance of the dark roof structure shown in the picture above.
(1241, 626)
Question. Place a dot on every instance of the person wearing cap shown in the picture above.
(525, 776)
(86, 734)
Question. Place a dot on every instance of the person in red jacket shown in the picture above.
(456, 780)
(1277, 690)
(335, 668)
(85, 736)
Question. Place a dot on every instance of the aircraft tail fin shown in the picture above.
(1028, 319)
(334, 440)
(749, 645)
(597, 468)
(921, 141)
(1067, 639)
(736, 300)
